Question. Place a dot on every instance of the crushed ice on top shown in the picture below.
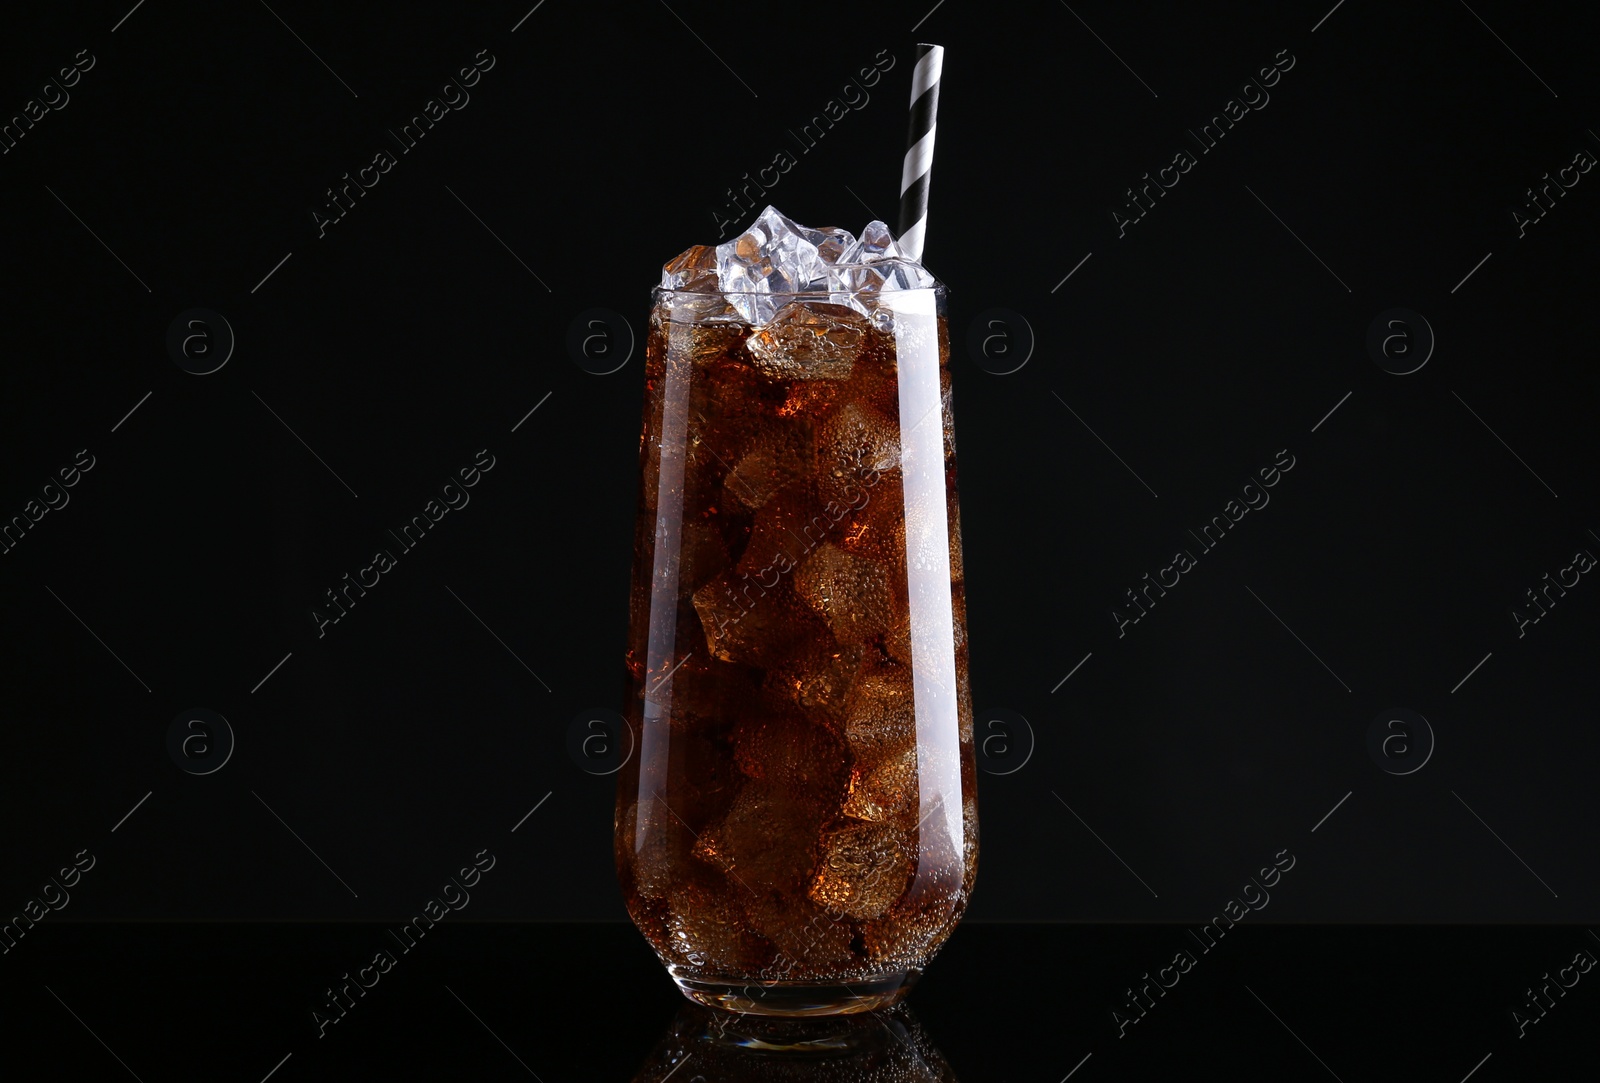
(777, 256)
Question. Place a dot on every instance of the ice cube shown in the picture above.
(820, 681)
(881, 718)
(748, 624)
(863, 869)
(773, 256)
(730, 402)
(857, 440)
(883, 790)
(902, 274)
(782, 533)
(774, 462)
(769, 837)
(694, 270)
(691, 347)
(850, 592)
(936, 896)
(695, 297)
(703, 308)
(901, 939)
(809, 398)
(808, 341)
(754, 478)
(805, 934)
(706, 928)
(856, 277)
(855, 286)
(893, 269)
(783, 745)
(878, 525)
(831, 241)
(875, 243)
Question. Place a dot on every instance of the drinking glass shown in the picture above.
(796, 833)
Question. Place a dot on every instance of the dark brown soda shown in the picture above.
(773, 821)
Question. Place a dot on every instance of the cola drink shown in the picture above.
(796, 831)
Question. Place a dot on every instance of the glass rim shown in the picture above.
(938, 287)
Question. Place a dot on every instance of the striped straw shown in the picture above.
(919, 149)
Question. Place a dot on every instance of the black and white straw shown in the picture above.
(919, 149)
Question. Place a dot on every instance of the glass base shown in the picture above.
(797, 999)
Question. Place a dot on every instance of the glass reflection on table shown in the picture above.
(705, 1045)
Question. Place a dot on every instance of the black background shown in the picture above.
(374, 361)
(1010, 1003)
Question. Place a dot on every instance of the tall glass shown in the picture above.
(796, 833)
